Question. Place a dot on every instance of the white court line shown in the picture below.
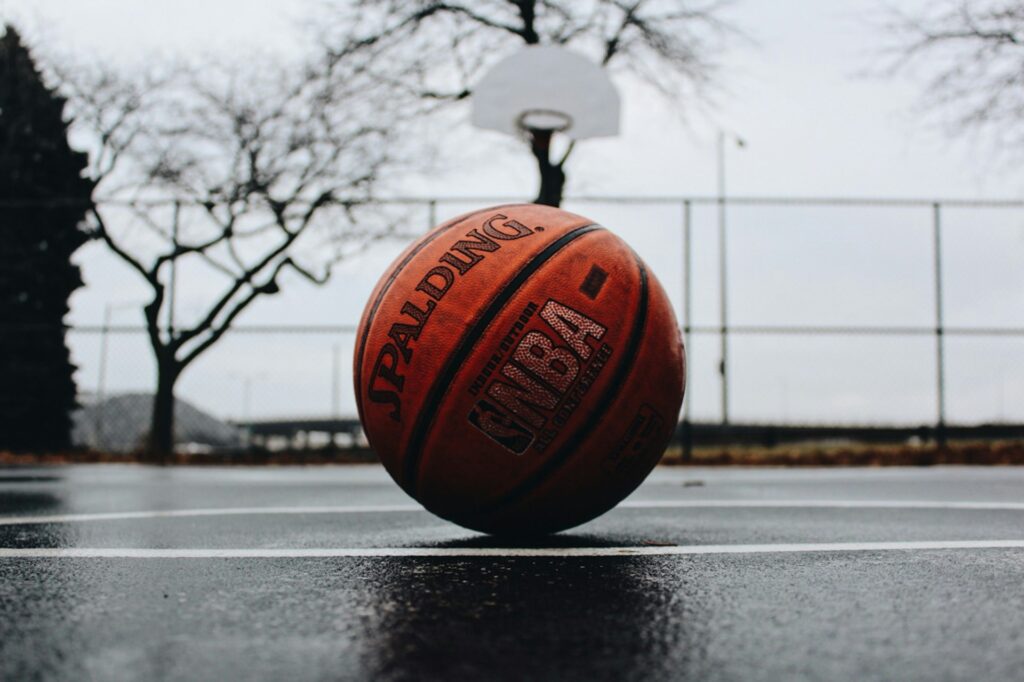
(824, 504)
(226, 511)
(398, 552)
(394, 508)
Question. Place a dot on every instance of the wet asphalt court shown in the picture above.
(113, 572)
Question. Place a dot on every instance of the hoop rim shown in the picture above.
(560, 120)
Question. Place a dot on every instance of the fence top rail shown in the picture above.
(796, 329)
(908, 202)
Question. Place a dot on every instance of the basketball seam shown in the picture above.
(464, 348)
(427, 240)
(602, 406)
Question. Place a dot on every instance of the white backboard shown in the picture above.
(546, 78)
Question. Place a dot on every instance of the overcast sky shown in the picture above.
(816, 125)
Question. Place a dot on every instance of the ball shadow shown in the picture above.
(532, 617)
(555, 541)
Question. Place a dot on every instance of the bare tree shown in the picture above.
(236, 169)
(971, 53)
(443, 47)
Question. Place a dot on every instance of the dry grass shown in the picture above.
(816, 455)
(247, 458)
(854, 455)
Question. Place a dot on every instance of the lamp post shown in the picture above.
(723, 366)
(101, 378)
(244, 420)
(246, 381)
(336, 381)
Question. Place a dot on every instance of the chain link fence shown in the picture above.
(826, 316)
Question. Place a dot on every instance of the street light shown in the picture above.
(101, 379)
(336, 381)
(246, 380)
(723, 137)
(244, 420)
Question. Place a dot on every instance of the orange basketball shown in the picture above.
(519, 370)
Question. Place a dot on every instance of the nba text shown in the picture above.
(543, 382)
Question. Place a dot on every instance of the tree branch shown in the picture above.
(104, 233)
(270, 286)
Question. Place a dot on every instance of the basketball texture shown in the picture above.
(519, 370)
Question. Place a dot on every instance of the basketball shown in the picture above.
(519, 370)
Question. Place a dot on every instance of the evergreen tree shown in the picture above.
(43, 199)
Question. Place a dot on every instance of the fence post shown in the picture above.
(171, 305)
(101, 381)
(173, 283)
(940, 364)
(687, 289)
(723, 367)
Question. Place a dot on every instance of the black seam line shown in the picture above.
(391, 280)
(425, 419)
(602, 407)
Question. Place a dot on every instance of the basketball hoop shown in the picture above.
(544, 121)
(546, 89)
